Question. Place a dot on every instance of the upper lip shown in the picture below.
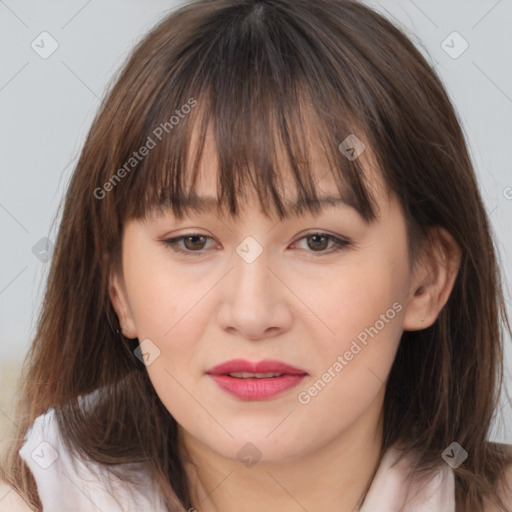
(265, 366)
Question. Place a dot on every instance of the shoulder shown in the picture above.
(10, 500)
(66, 480)
(504, 488)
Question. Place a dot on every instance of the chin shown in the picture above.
(255, 446)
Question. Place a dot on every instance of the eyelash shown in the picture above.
(339, 244)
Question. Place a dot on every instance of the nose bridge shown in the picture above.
(251, 276)
(253, 303)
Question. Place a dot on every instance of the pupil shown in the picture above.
(193, 243)
(319, 236)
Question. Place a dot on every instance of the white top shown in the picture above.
(63, 487)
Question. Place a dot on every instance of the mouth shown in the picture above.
(249, 375)
(256, 381)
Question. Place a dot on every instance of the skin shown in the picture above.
(298, 303)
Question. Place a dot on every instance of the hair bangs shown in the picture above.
(261, 115)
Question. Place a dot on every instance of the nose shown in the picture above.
(255, 301)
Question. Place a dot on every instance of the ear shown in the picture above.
(433, 280)
(119, 300)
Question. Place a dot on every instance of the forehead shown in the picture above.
(280, 158)
(205, 184)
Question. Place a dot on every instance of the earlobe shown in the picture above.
(433, 282)
(119, 300)
(420, 312)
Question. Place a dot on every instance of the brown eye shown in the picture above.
(194, 242)
(187, 244)
(320, 242)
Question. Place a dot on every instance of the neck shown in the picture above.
(334, 477)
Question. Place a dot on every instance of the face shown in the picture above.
(286, 293)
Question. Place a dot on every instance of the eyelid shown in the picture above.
(340, 243)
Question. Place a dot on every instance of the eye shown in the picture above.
(195, 242)
(320, 241)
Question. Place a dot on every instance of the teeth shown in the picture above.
(247, 375)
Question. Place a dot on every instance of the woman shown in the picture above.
(274, 285)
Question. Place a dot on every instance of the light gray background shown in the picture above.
(47, 106)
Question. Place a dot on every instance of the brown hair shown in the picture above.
(255, 69)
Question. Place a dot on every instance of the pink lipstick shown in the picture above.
(256, 381)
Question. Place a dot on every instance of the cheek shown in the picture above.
(363, 310)
(352, 371)
(364, 293)
(174, 318)
(161, 296)
(175, 330)
(170, 310)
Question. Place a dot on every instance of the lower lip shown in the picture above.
(257, 389)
